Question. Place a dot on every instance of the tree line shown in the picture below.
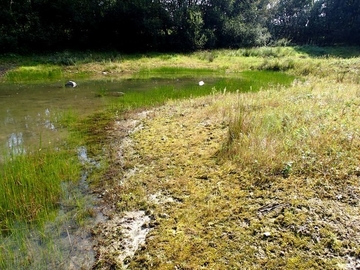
(174, 25)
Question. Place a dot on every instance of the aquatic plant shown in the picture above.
(31, 185)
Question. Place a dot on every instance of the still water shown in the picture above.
(30, 115)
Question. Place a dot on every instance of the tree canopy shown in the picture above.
(174, 25)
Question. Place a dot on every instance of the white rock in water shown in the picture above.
(201, 83)
(70, 84)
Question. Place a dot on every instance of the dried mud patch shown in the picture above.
(199, 212)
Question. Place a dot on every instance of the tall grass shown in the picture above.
(311, 130)
(31, 186)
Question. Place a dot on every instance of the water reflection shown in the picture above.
(48, 124)
(29, 114)
(15, 143)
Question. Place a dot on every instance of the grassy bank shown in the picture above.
(248, 180)
(338, 62)
(245, 202)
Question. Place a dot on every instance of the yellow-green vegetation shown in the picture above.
(265, 180)
(233, 180)
(34, 73)
(302, 60)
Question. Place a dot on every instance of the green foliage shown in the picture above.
(27, 26)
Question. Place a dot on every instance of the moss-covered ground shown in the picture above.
(281, 194)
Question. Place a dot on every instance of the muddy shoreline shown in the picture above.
(123, 232)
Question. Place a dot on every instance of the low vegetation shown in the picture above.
(253, 180)
(240, 178)
(31, 185)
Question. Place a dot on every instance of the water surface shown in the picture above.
(31, 114)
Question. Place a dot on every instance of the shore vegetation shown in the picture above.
(259, 169)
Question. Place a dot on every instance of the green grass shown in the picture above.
(177, 72)
(35, 182)
(243, 82)
(34, 74)
(31, 186)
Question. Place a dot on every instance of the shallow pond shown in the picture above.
(33, 115)
(29, 114)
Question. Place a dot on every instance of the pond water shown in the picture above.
(32, 115)
(29, 113)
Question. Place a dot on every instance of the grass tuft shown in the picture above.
(31, 186)
(34, 73)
